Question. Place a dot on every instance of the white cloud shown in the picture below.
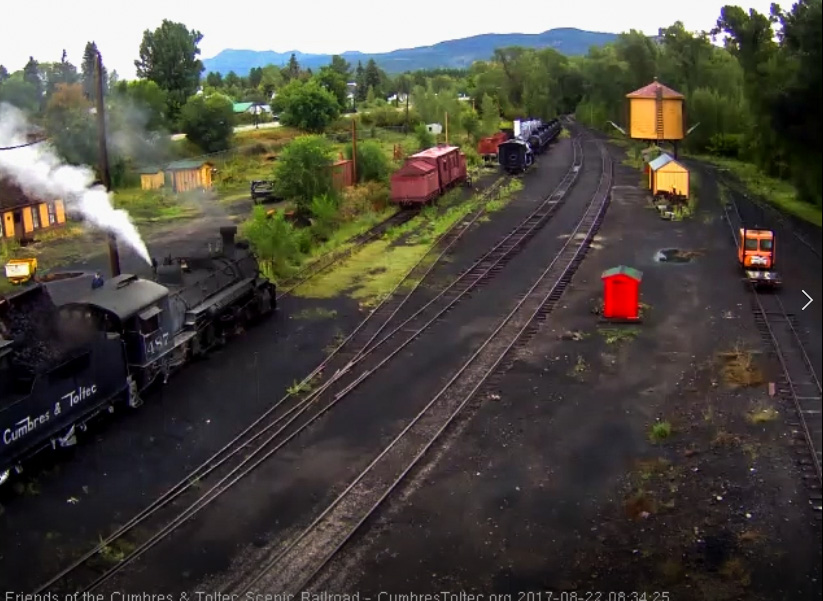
(43, 29)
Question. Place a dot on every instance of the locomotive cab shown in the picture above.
(136, 310)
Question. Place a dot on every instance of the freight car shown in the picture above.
(487, 147)
(428, 175)
(66, 357)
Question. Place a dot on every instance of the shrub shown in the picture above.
(274, 240)
(325, 216)
(425, 139)
(726, 145)
(302, 172)
(363, 198)
(372, 163)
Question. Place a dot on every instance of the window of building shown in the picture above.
(52, 213)
(35, 217)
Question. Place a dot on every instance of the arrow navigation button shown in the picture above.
(811, 300)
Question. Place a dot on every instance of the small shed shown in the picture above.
(151, 178)
(22, 216)
(656, 113)
(667, 175)
(342, 172)
(190, 174)
(621, 293)
(434, 128)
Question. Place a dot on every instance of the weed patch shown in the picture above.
(660, 431)
(150, 206)
(316, 313)
(618, 335)
(762, 414)
(739, 369)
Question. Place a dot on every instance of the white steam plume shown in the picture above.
(39, 171)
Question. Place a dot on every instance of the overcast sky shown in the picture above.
(43, 28)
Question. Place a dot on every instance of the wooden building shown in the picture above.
(656, 114)
(152, 178)
(342, 173)
(666, 175)
(190, 174)
(23, 217)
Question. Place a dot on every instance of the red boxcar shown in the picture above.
(428, 174)
(487, 147)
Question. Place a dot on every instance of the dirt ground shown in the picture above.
(84, 494)
(637, 458)
(283, 494)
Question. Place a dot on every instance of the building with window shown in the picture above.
(22, 217)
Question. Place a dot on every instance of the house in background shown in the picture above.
(192, 174)
(252, 108)
(22, 216)
(151, 178)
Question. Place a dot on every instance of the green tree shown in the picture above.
(425, 139)
(214, 80)
(307, 106)
(274, 241)
(4, 74)
(33, 76)
(208, 121)
(87, 68)
(20, 93)
(147, 98)
(292, 69)
(255, 77)
(168, 57)
(372, 163)
(331, 80)
(303, 171)
(71, 127)
(340, 66)
(272, 80)
(490, 116)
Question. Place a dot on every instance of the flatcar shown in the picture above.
(428, 175)
(67, 355)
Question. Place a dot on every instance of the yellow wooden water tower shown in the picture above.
(656, 114)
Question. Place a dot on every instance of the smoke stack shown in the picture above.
(227, 233)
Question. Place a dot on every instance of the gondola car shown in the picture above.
(67, 355)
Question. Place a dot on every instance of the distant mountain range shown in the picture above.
(451, 54)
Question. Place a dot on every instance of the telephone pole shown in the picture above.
(354, 149)
(105, 175)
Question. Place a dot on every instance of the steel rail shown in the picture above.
(220, 457)
(311, 550)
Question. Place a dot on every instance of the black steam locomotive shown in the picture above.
(69, 352)
(531, 138)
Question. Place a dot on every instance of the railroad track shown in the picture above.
(281, 420)
(800, 385)
(300, 560)
(351, 246)
(735, 187)
(84, 572)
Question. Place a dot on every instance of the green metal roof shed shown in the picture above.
(242, 107)
(187, 164)
(623, 270)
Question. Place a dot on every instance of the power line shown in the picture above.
(23, 145)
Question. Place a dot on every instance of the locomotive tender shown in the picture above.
(67, 355)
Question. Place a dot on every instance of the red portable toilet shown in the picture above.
(621, 293)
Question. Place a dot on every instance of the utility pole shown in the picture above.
(354, 149)
(105, 175)
(447, 129)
